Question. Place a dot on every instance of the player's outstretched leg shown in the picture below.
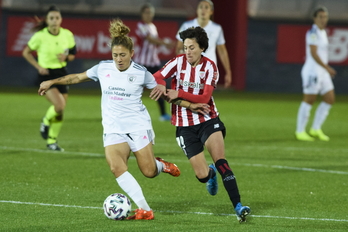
(230, 184)
(242, 212)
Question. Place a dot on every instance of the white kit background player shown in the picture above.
(316, 79)
(205, 10)
(126, 121)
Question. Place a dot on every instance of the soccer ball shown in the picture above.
(117, 206)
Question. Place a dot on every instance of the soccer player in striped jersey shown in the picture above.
(148, 40)
(55, 46)
(205, 10)
(317, 77)
(194, 79)
(126, 121)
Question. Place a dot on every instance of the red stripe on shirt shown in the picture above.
(194, 83)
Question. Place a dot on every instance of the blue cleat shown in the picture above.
(212, 184)
(242, 212)
(165, 117)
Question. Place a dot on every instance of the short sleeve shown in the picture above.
(71, 40)
(312, 38)
(34, 42)
(170, 68)
(212, 75)
(150, 81)
(92, 73)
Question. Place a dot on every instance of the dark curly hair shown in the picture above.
(197, 33)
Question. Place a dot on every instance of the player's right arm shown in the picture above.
(179, 43)
(179, 47)
(70, 79)
(27, 54)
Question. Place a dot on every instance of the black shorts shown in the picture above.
(191, 139)
(55, 73)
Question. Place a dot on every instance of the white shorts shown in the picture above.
(136, 140)
(319, 83)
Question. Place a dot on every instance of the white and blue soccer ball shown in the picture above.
(117, 206)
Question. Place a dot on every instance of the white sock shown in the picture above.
(303, 116)
(320, 115)
(130, 185)
(159, 167)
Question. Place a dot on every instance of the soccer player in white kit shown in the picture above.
(194, 78)
(205, 10)
(316, 79)
(126, 121)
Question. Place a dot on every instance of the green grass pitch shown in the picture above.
(289, 185)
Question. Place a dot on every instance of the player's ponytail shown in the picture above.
(41, 23)
(119, 34)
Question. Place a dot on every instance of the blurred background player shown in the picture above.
(205, 10)
(316, 79)
(194, 80)
(55, 46)
(148, 40)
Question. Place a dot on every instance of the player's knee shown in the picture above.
(204, 179)
(118, 171)
(149, 172)
(59, 108)
(330, 101)
(309, 101)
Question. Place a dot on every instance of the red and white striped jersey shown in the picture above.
(147, 54)
(191, 80)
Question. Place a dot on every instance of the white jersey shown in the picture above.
(122, 108)
(215, 35)
(316, 37)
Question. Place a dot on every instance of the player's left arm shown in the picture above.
(70, 52)
(313, 50)
(68, 55)
(160, 88)
(201, 108)
(223, 55)
(204, 98)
